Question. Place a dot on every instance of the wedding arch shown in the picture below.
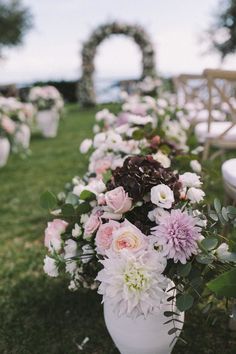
(137, 33)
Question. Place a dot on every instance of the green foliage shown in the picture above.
(48, 200)
(224, 285)
(15, 21)
(184, 302)
(226, 20)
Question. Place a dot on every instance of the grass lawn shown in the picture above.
(38, 314)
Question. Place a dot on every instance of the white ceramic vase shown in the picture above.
(5, 148)
(47, 122)
(23, 135)
(141, 335)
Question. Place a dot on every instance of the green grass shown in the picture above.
(38, 314)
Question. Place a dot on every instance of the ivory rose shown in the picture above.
(53, 233)
(118, 200)
(104, 236)
(128, 237)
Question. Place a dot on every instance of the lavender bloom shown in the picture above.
(178, 234)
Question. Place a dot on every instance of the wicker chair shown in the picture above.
(219, 134)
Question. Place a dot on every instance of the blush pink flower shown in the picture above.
(92, 224)
(104, 236)
(101, 166)
(53, 234)
(8, 125)
(128, 237)
(178, 234)
(118, 200)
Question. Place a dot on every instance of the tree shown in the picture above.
(15, 21)
(223, 34)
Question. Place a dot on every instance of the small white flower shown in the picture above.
(189, 179)
(162, 196)
(85, 146)
(195, 195)
(196, 166)
(84, 218)
(50, 267)
(163, 159)
(222, 251)
(77, 231)
(156, 214)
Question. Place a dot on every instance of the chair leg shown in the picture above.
(206, 150)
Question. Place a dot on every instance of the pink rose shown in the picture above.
(128, 237)
(8, 125)
(104, 234)
(101, 166)
(92, 224)
(118, 200)
(53, 233)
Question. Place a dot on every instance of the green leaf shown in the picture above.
(170, 314)
(184, 269)
(184, 302)
(224, 285)
(217, 205)
(173, 330)
(87, 195)
(204, 258)
(71, 199)
(138, 134)
(209, 243)
(48, 200)
(67, 210)
(225, 214)
(106, 176)
(83, 208)
(213, 216)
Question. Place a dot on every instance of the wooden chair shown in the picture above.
(219, 134)
(229, 178)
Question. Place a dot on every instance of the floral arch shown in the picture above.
(137, 33)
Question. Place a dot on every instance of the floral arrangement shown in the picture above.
(16, 119)
(137, 33)
(139, 228)
(46, 97)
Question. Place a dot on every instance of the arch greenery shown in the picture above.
(137, 33)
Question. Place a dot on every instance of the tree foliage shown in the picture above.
(225, 27)
(15, 21)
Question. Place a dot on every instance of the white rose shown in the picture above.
(196, 166)
(85, 146)
(50, 267)
(189, 179)
(195, 195)
(162, 196)
(99, 139)
(163, 159)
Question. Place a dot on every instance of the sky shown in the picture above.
(51, 50)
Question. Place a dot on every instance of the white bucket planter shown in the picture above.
(5, 148)
(23, 136)
(140, 335)
(47, 122)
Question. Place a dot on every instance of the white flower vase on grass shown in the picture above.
(23, 135)
(142, 335)
(47, 121)
(5, 148)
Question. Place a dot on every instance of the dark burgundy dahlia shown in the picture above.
(140, 173)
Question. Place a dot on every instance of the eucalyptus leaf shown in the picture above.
(48, 200)
(209, 243)
(184, 302)
(184, 269)
(71, 199)
(68, 210)
(217, 205)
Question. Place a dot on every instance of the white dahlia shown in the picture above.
(133, 283)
